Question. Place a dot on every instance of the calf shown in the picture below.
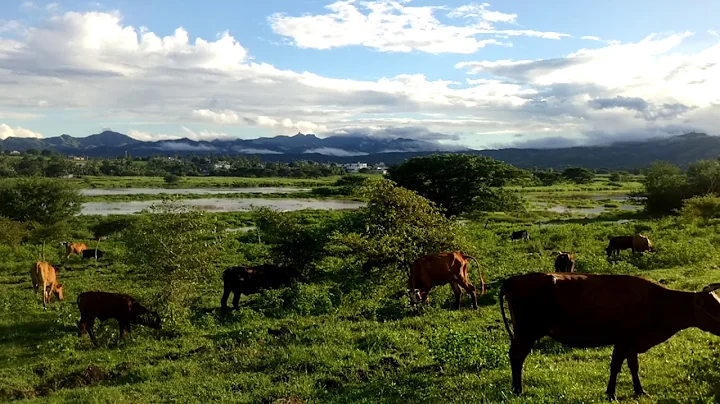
(104, 305)
(73, 248)
(42, 273)
(565, 262)
(248, 280)
(90, 253)
(437, 270)
(522, 234)
(585, 311)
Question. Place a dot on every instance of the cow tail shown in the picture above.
(482, 277)
(501, 297)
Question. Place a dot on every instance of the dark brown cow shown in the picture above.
(73, 248)
(104, 305)
(45, 275)
(565, 262)
(440, 269)
(636, 243)
(585, 311)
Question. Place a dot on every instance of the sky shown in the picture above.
(509, 73)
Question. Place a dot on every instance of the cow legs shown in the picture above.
(236, 300)
(618, 357)
(124, 329)
(472, 290)
(519, 350)
(224, 299)
(458, 294)
(632, 360)
(87, 325)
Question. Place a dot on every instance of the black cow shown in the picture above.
(517, 235)
(104, 305)
(249, 280)
(91, 254)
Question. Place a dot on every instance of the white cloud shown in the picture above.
(714, 32)
(391, 26)
(117, 73)
(231, 117)
(332, 151)
(7, 131)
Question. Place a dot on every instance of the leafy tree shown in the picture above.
(46, 201)
(458, 183)
(619, 176)
(177, 245)
(704, 207)
(549, 177)
(703, 177)
(45, 233)
(666, 188)
(172, 179)
(12, 233)
(109, 226)
(396, 227)
(578, 175)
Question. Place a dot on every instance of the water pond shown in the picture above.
(186, 191)
(220, 205)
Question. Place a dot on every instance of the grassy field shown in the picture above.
(343, 339)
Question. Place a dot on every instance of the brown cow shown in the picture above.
(437, 270)
(73, 248)
(565, 262)
(104, 305)
(636, 243)
(42, 273)
(585, 311)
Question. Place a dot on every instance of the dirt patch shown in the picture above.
(90, 376)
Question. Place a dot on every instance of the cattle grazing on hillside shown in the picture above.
(630, 313)
(104, 305)
(518, 235)
(45, 275)
(565, 262)
(90, 253)
(73, 248)
(636, 243)
(439, 269)
(248, 280)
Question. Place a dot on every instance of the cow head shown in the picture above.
(64, 243)
(707, 309)
(58, 289)
(149, 318)
(417, 295)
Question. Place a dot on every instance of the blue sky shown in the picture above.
(543, 73)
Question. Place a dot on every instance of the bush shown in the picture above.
(701, 207)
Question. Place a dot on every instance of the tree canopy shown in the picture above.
(459, 183)
(43, 200)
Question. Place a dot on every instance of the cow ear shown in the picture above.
(711, 287)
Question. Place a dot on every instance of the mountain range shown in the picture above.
(679, 150)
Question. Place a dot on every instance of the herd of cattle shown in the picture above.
(630, 313)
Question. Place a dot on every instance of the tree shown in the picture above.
(172, 179)
(109, 226)
(548, 178)
(43, 200)
(666, 188)
(458, 183)
(396, 227)
(578, 175)
(619, 176)
(703, 177)
(45, 233)
(177, 245)
(11, 232)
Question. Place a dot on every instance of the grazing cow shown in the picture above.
(90, 253)
(45, 275)
(630, 313)
(104, 305)
(517, 235)
(565, 262)
(73, 248)
(439, 269)
(636, 242)
(249, 280)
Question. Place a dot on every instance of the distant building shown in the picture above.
(14, 153)
(78, 158)
(222, 165)
(354, 167)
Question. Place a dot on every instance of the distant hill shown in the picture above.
(679, 150)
